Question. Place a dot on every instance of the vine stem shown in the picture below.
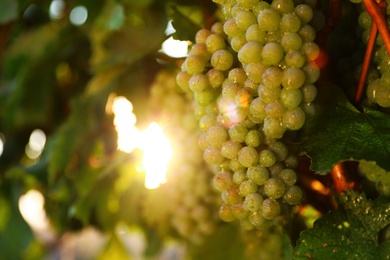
(339, 177)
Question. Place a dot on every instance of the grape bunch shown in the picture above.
(378, 81)
(376, 175)
(192, 204)
(252, 76)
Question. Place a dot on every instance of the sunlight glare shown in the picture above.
(175, 48)
(31, 208)
(2, 140)
(157, 154)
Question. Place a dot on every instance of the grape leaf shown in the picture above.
(350, 232)
(186, 20)
(340, 132)
(8, 10)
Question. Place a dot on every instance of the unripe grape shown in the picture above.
(270, 209)
(216, 135)
(202, 142)
(274, 128)
(238, 133)
(275, 109)
(207, 121)
(258, 220)
(280, 150)
(383, 96)
(312, 73)
(201, 35)
(309, 93)
(212, 155)
(235, 165)
(307, 33)
(230, 28)
(290, 23)
(201, 50)
(269, 95)
(268, 20)
(222, 60)
(237, 75)
(257, 108)
(293, 195)
(248, 156)
(230, 149)
(198, 83)
(255, 71)
(291, 162)
(275, 169)
(253, 138)
(283, 6)
(253, 202)
(250, 53)
(217, 28)
(182, 79)
(258, 174)
(215, 42)
(291, 98)
(274, 188)
(247, 187)
(272, 77)
(304, 12)
(247, 3)
(239, 212)
(231, 195)
(194, 64)
(215, 77)
(255, 34)
(204, 98)
(288, 176)
(291, 42)
(237, 42)
(225, 213)
(293, 78)
(272, 53)
(311, 50)
(267, 158)
(239, 176)
(294, 59)
(244, 19)
(294, 119)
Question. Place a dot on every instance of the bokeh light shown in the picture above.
(78, 15)
(36, 144)
(57, 9)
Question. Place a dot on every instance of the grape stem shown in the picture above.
(376, 9)
(339, 177)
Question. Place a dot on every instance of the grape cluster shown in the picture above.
(192, 206)
(252, 76)
(376, 175)
(378, 81)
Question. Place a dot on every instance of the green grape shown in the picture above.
(295, 59)
(258, 174)
(204, 98)
(215, 42)
(182, 79)
(239, 176)
(222, 181)
(280, 150)
(247, 187)
(283, 6)
(238, 133)
(364, 20)
(293, 78)
(312, 73)
(231, 28)
(270, 209)
(194, 64)
(291, 42)
(272, 77)
(231, 195)
(237, 75)
(268, 20)
(250, 53)
(288, 176)
(230, 90)
(248, 156)
(294, 119)
(215, 77)
(309, 93)
(255, 71)
(235, 165)
(253, 138)
(304, 12)
(274, 128)
(212, 155)
(291, 98)
(253, 202)
(216, 135)
(272, 53)
(255, 34)
(217, 28)
(198, 83)
(225, 213)
(244, 19)
(383, 96)
(274, 188)
(239, 212)
(269, 95)
(207, 121)
(258, 220)
(202, 142)
(293, 195)
(222, 60)
(291, 162)
(237, 42)
(307, 33)
(248, 4)
(201, 35)
(275, 169)
(290, 23)
(311, 50)
(230, 149)
(267, 158)
(275, 109)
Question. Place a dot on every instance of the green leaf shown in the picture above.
(186, 20)
(350, 232)
(340, 132)
(8, 10)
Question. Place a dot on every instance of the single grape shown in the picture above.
(239, 176)
(274, 128)
(225, 213)
(275, 109)
(293, 195)
(294, 59)
(230, 149)
(309, 93)
(291, 42)
(269, 20)
(198, 83)
(212, 155)
(255, 71)
(253, 138)
(270, 209)
(250, 53)
(293, 78)
(272, 77)
(247, 187)
(274, 188)
(267, 158)
(201, 35)
(244, 19)
(237, 75)
(215, 42)
(253, 202)
(304, 12)
(238, 133)
(231, 195)
(258, 174)
(194, 64)
(215, 77)
(280, 150)
(222, 60)
(248, 156)
(239, 211)
(294, 119)
(272, 53)
(255, 34)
